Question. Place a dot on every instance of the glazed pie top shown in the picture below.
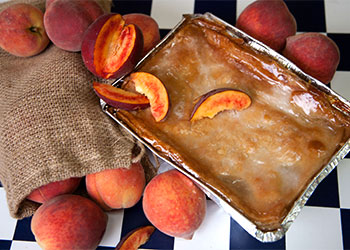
(259, 159)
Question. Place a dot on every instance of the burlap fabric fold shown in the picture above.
(51, 124)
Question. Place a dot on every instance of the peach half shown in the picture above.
(154, 90)
(119, 98)
(217, 100)
(110, 48)
(136, 238)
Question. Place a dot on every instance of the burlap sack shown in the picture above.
(51, 124)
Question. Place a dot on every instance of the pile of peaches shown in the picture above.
(110, 45)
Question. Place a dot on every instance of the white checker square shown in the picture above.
(25, 245)
(315, 228)
(113, 230)
(343, 171)
(340, 83)
(214, 232)
(241, 5)
(8, 224)
(337, 16)
(168, 13)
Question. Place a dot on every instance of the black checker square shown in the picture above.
(326, 194)
(132, 6)
(23, 231)
(343, 42)
(345, 223)
(224, 9)
(240, 239)
(5, 244)
(134, 217)
(309, 15)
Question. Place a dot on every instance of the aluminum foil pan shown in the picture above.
(336, 100)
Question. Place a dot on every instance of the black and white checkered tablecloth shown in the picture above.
(323, 224)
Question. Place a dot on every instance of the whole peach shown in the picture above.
(174, 204)
(53, 189)
(314, 53)
(149, 28)
(67, 20)
(117, 188)
(269, 21)
(22, 30)
(69, 222)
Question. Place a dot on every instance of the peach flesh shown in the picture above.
(89, 40)
(119, 98)
(218, 100)
(174, 204)
(116, 58)
(154, 89)
(134, 239)
(22, 30)
(110, 49)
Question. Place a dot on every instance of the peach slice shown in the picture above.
(120, 98)
(136, 238)
(154, 89)
(217, 100)
(110, 48)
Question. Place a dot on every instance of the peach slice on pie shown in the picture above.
(217, 100)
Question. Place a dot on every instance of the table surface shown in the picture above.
(325, 221)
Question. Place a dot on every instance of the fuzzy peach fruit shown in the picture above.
(66, 21)
(69, 222)
(117, 188)
(174, 204)
(269, 21)
(47, 3)
(111, 48)
(314, 53)
(22, 30)
(217, 100)
(53, 189)
(149, 28)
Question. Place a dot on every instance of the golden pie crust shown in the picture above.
(260, 159)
